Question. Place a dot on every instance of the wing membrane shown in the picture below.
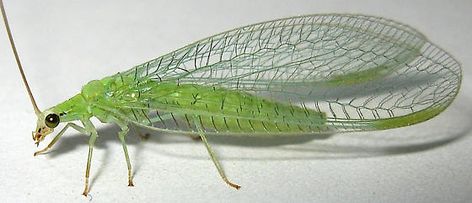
(352, 67)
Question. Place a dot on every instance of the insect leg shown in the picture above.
(93, 137)
(122, 135)
(73, 125)
(213, 156)
(116, 117)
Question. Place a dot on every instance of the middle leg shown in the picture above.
(122, 136)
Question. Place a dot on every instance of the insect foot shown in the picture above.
(196, 138)
(233, 185)
(143, 136)
(85, 193)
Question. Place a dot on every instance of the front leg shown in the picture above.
(73, 125)
(93, 137)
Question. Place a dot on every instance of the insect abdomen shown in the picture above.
(222, 110)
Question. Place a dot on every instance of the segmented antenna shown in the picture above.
(17, 58)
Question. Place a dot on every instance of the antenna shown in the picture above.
(17, 58)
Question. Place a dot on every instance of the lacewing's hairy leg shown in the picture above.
(91, 130)
(213, 155)
(58, 136)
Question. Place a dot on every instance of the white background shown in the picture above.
(65, 44)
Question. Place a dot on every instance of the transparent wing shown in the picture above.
(357, 69)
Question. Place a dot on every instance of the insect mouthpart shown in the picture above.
(37, 137)
(40, 134)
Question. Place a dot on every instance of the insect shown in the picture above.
(313, 74)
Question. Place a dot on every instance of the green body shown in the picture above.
(217, 109)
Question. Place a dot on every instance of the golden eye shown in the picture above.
(52, 120)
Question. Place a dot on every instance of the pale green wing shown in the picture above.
(364, 72)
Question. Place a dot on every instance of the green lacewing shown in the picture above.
(313, 74)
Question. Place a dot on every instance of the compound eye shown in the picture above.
(52, 120)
